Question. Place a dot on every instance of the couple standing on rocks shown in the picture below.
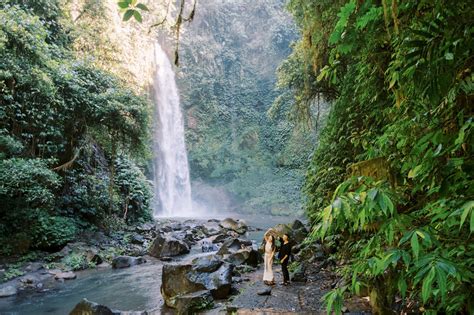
(284, 253)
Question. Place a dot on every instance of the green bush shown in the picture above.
(52, 231)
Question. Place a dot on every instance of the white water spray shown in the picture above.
(171, 175)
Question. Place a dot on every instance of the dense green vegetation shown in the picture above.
(72, 137)
(399, 78)
(227, 83)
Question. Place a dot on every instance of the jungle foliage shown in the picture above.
(400, 81)
(70, 135)
(227, 84)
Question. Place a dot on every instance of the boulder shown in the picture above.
(205, 274)
(265, 291)
(297, 225)
(233, 245)
(247, 256)
(207, 263)
(137, 239)
(220, 238)
(238, 226)
(34, 266)
(91, 308)
(211, 228)
(8, 290)
(65, 275)
(167, 246)
(192, 303)
(145, 227)
(127, 261)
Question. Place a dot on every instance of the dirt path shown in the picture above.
(297, 298)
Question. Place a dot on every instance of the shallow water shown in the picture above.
(135, 288)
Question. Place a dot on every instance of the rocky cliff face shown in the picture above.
(228, 56)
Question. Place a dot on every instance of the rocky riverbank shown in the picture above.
(206, 266)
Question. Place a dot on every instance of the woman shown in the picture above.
(268, 277)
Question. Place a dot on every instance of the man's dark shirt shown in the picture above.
(285, 249)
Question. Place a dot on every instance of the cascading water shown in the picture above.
(172, 186)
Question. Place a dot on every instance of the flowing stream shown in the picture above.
(135, 288)
(172, 185)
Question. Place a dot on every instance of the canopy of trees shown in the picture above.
(70, 135)
(399, 77)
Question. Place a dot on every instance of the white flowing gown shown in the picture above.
(268, 263)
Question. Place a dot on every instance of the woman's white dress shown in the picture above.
(268, 262)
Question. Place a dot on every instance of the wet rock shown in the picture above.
(91, 308)
(127, 261)
(145, 227)
(35, 266)
(103, 265)
(238, 226)
(137, 239)
(8, 290)
(220, 238)
(179, 280)
(207, 263)
(247, 256)
(265, 291)
(193, 302)
(233, 245)
(166, 258)
(167, 246)
(211, 228)
(92, 255)
(65, 275)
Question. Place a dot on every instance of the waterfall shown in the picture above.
(171, 171)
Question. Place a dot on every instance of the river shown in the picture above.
(135, 288)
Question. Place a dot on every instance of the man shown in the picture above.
(284, 255)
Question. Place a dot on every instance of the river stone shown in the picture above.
(247, 256)
(211, 228)
(234, 225)
(182, 279)
(167, 246)
(8, 290)
(265, 291)
(192, 303)
(174, 282)
(233, 245)
(127, 261)
(86, 307)
(207, 263)
(65, 275)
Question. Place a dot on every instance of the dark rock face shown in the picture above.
(167, 246)
(206, 274)
(127, 261)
